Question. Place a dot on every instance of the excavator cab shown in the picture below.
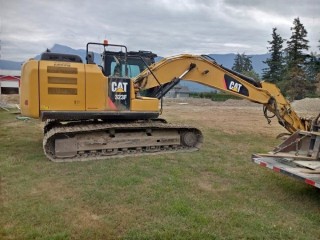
(117, 64)
(122, 63)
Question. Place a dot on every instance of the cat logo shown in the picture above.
(235, 86)
(119, 87)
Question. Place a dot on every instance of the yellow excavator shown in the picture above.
(97, 111)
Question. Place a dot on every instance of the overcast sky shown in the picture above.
(166, 27)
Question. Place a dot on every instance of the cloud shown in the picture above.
(236, 45)
(287, 9)
(166, 27)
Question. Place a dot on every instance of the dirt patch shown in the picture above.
(53, 189)
(307, 105)
(10, 98)
(304, 105)
(231, 116)
(80, 216)
(208, 102)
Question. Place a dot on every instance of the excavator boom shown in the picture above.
(162, 76)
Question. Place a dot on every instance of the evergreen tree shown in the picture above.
(242, 63)
(274, 72)
(297, 85)
(247, 64)
(237, 64)
(297, 44)
(312, 68)
(318, 75)
(252, 74)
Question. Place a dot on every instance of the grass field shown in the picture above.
(215, 193)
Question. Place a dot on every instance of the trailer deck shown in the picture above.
(306, 171)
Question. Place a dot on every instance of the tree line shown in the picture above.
(292, 68)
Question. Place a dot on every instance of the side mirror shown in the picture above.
(90, 58)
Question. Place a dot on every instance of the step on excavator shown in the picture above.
(111, 109)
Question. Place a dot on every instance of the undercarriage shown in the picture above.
(93, 140)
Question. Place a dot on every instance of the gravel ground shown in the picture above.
(9, 100)
(307, 104)
(304, 105)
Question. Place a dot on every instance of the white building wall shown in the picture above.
(11, 84)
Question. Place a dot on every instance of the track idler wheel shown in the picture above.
(190, 138)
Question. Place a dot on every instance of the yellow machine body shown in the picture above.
(77, 90)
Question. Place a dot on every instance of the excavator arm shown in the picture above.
(159, 78)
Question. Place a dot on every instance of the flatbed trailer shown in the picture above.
(298, 157)
(291, 168)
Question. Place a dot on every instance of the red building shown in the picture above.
(9, 81)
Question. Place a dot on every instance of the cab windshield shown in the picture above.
(114, 64)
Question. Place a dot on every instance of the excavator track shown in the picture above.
(83, 141)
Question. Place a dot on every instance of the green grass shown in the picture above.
(216, 193)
